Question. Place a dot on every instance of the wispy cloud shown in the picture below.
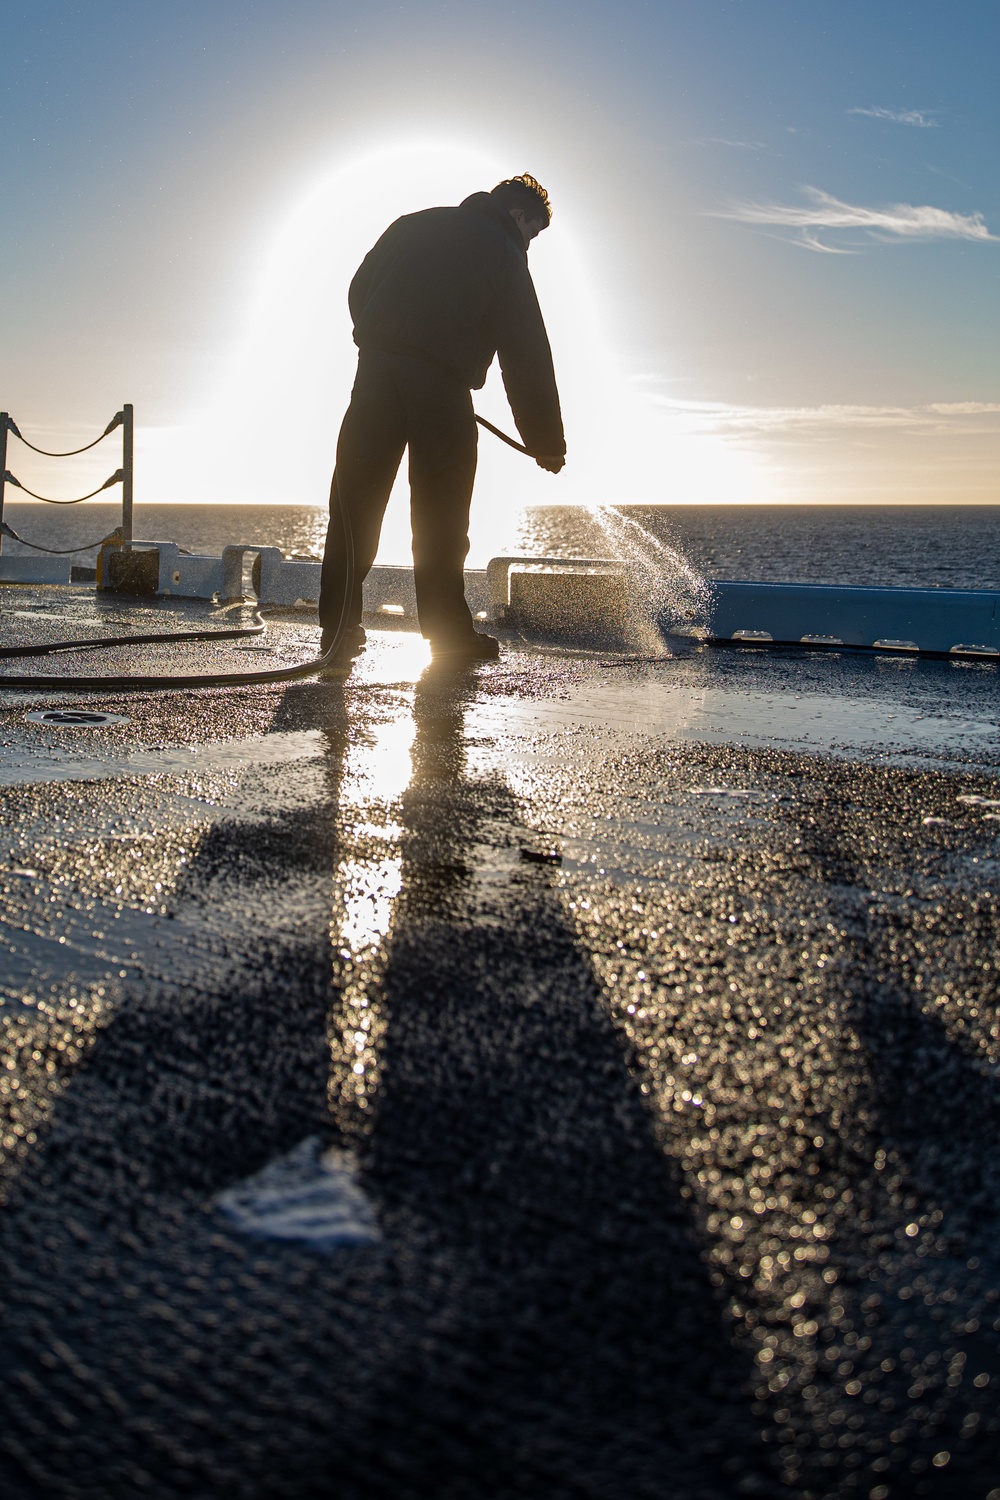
(902, 221)
(918, 117)
(937, 417)
(940, 452)
(716, 140)
(964, 408)
(810, 242)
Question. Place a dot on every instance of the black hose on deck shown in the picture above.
(105, 642)
(193, 680)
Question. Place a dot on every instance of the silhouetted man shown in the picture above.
(441, 293)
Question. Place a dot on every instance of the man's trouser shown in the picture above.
(399, 402)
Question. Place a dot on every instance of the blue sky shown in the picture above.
(773, 270)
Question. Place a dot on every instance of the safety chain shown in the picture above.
(5, 530)
(116, 478)
(116, 421)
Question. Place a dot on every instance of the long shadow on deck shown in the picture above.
(537, 1321)
(575, 1346)
(918, 1261)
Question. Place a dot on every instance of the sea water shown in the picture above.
(902, 546)
(673, 547)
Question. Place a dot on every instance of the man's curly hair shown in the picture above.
(524, 192)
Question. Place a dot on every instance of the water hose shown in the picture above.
(145, 683)
(51, 648)
(556, 458)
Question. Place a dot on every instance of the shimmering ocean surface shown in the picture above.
(914, 546)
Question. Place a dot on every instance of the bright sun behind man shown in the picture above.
(266, 432)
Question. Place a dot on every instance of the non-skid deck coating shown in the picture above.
(650, 1006)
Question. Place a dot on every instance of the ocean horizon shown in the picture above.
(892, 544)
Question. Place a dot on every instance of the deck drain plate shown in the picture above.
(74, 718)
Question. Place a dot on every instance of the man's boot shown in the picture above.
(351, 646)
(475, 647)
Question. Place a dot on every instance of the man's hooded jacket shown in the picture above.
(451, 285)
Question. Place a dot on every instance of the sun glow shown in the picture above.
(268, 433)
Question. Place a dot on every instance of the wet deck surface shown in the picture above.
(650, 1008)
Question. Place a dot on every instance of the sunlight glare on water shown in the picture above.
(397, 656)
(379, 764)
(369, 891)
(377, 772)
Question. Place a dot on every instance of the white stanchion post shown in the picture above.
(128, 442)
(3, 465)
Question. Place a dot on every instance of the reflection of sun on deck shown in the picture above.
(645, 1004)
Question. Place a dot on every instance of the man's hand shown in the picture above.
(550, 461)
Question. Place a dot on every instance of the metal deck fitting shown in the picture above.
(938, 622)
(17, 569)
(569, 598)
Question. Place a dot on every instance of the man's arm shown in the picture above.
(528, 376)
